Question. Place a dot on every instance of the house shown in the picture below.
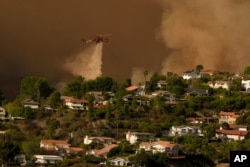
(47, 159)
(54, 144)
(184, 130)
(161, 84)
(200, 120)
(168, 96)
(246, 85)
(238, 127)
(2, 113)
(102, 140)
(31, 103)
(133, 137)
(219, 84)
(208, 72)
(20, 158)
(231, 134)
(167, 147)
(63, 98)
(142, 100)
(128, 98)
(2, 132)
(59, 145)
(119, 161)
(228, 117)
(73, 150)
(137, 90)
(190, 75)
(102, 98)
(196, 92)
(101, 152)
(77, 104)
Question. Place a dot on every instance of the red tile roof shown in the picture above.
(166, 144)
(74, 149)
(132, 88)
(76, 100)
(233, 114)
(53, 142)
(145, 144)
(105, 150)
(232, 132)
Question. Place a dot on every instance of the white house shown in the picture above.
(231, 134)
(31, 103)
(54, 144)
(245, 84)
(169, 148)
(103, 140)
(161, 84)
(184, 130)
(133, 137)
(47, 159)
(76, 104)
(2, 113)
(59, 145)
(21, 158)
(119, 161)
(219, 84)
(191, 74)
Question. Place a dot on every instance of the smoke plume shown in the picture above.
(87, 63)
(138, 77)
(213, 33)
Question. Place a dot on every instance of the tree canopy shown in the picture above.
(34, 87)
(247, 70)
(8, 148)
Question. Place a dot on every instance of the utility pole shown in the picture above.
(145, 73)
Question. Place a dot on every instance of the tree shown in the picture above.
(146, 159)
(52, 124)
(225, 125)
(176, 84)
(14, 108)
(2, 98)
(199, 67)
(247, 70)
(31, 147)
(28, 113)
(154, 80)
(158, 106)
(209, 131)
(34, 87)
(8, 149)
(104, 83)
(55, 100)
(191, 144)
(75, 87)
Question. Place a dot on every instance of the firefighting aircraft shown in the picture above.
(97, 39)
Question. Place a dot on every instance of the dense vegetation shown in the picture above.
(115, 118)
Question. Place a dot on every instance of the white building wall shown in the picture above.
(245, 84)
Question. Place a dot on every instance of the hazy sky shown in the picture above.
(40, 37)
(37, 37)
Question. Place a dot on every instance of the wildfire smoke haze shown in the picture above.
(40, 38)
(213, 33)
(87, 63)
